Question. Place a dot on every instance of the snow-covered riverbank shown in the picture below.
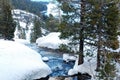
(18, 62)
(89, 66)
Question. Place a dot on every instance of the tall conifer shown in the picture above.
(7, 23)
(73, 24)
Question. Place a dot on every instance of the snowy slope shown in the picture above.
(18, 62)
(51, 41)
(25, 24)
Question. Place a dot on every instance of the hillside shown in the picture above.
(25, 24)
(33, 7)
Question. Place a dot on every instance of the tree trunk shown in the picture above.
(99, 48)
(81, 34)
(99, 32)
(81, 45)
(98, 57)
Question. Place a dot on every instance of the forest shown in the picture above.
(86, 29)
(30, 6)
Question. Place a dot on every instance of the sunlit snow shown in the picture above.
(18, 62)
(51, 41)
(52, 8)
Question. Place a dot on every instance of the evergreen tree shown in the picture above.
(7, 23)
(94, 20)
(52, 23)
(36, 32)
(103, 20)
(73, 24)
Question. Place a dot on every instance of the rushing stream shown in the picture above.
(55, 62)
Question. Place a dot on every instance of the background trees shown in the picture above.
(28, 5)
(7, 25)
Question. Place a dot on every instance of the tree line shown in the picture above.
(30, 6)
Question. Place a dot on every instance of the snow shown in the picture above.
(22, 41)
(45, 59)
(18, 62)
(44, 31)
(18, 11)
(51, 9)
(26, 24)
(118, 71)
(72, 72)
(23, 24)
(25, 20)
(51, 41)
(68, 57)
(87, 67)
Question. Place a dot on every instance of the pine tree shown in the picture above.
(103, 19)
(52, 23)
(7, 23)
(97, 21)
(36, 32)
(73, 24)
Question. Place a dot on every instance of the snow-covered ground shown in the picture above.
(68, 57)
(51, 41)
(18, 62)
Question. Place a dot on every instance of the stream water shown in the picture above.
(55, 62)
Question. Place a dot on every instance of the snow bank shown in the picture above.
(68, 57)
(51, 41)
(87, 67)
(22, 41)
(18, 62)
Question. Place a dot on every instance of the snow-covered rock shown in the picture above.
(87, 67)
(51, 41)
(68, 57)
(72, 72)
(45, 59)
(18, 62)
